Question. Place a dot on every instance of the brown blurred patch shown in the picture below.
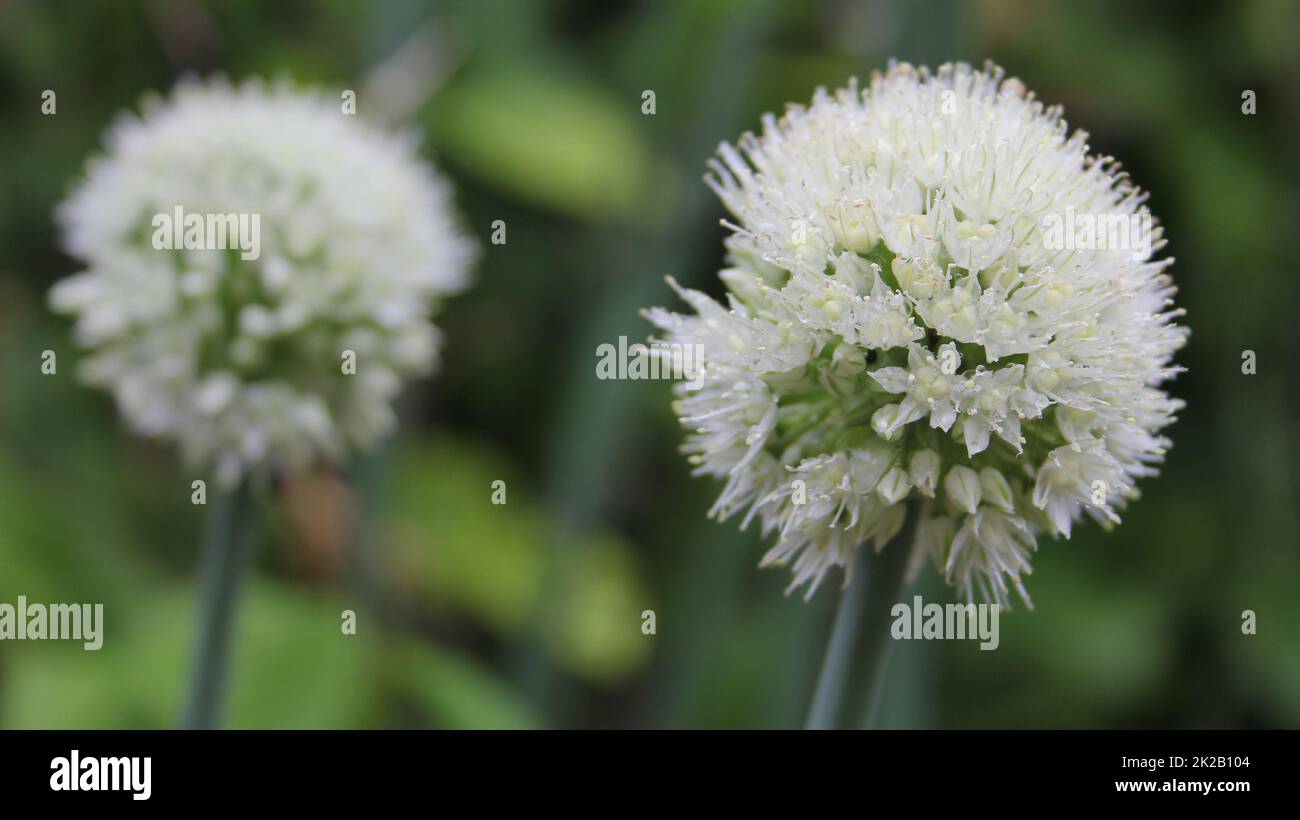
(320, 514)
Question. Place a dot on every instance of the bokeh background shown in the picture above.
(529, 614)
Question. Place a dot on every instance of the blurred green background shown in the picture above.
(529, 614)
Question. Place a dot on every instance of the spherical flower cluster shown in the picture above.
(903, 329)
(242, 352)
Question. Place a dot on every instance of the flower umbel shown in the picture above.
(241, 360)
(902, 327)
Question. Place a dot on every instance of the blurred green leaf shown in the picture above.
(596, 631)
(452, 546)
(457, 692)
(549, 139)
(453, 549)
(291, 667)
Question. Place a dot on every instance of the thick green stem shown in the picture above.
(853, 672)
(226, 552)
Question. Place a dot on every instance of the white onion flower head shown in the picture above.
(242, 360)
(902, 328)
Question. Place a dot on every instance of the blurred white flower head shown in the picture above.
(244, 361)
(899, 330)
